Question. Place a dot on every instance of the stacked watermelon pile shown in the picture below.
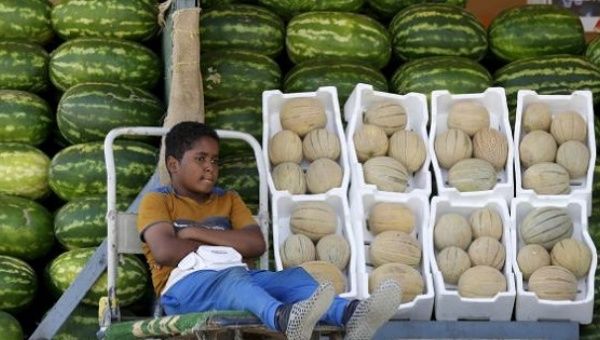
(70, 72)
(26, 233)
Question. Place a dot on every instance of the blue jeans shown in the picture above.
(258, 291)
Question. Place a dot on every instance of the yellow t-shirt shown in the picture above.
(223, 210)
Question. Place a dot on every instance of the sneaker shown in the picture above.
(305, 314)
(374, 311)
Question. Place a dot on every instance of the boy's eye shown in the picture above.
(202, 159)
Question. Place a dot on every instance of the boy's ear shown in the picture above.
(172, 164)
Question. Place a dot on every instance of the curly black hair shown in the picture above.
(182, 136)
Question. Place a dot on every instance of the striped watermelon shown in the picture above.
(25, 228)
(88, 111)
(11, 328)
(243, 27)
(555, 74)
(82, 223)
(309, 75)
(388, 8)
(121, 19)
(132, 277)
(289, 8)
(427, 30)
(593, 51)
(238, 114)
(339, 36)
(597, 131)
(81, 324)
(207, 4)
(535, 31)
(233, 73)
(455, 74)
(25, 20)
(86, 60)
(79, 170)
(23, 171)
(24, 117)
(239, 173)
(23, 66)
(18, 284)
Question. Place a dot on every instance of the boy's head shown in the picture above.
(192, 156)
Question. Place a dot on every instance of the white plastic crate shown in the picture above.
(361, 203)
(415, 105)
(494, 100)
(579, 101)
(272, 102)
(283, 205)
(528, 306)
(449, 305)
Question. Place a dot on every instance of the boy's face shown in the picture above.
(198, 170)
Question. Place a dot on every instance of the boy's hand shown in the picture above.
(188, 232)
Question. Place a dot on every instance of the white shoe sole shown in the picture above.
(373, 312)
(305, 314)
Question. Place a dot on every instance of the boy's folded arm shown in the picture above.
(166, 247)
(248, 240)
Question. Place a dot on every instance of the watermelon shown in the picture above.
(242, 27)
(132, 276)
(24, 117)
(239, 173)
(23, 171)
(11, 328)
(455, 74)
(535, 31)
(82, 223)
(597, 133)
(310, 75)
(88, 111)
(554, 74)
(79, 170)
(592, 51)
(18, 284)
(23, 66)
(25, 228)
(120, 19)
(289, 8)
(238, 114)
(427, 30)
(81, 324)
(386, 9)
(86, 60)
(236, 73)
(25, 20)
(339, 36)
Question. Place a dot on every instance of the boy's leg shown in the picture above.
(228, 289)
(233, 288)
(295, 284)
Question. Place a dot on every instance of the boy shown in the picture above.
(195, 235)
